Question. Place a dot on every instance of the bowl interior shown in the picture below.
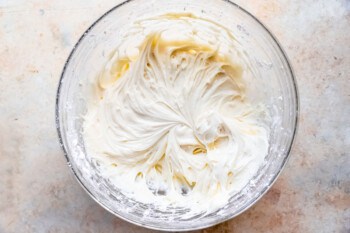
(269, 65)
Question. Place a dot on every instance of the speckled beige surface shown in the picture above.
(38, 193)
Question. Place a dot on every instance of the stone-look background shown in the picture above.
(38, 192)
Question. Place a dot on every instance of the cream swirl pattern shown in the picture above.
(171, 122)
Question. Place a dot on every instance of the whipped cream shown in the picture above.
(173, 120)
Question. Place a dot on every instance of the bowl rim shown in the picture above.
(228, 217)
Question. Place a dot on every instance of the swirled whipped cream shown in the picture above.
(172, 121)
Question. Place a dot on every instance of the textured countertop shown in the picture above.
(38, 192)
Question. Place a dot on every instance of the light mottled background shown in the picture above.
(38, 193)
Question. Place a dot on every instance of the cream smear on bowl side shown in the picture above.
(173, 119)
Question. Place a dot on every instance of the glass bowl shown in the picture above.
(88, 57)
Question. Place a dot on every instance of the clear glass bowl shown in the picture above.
(90, 54)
